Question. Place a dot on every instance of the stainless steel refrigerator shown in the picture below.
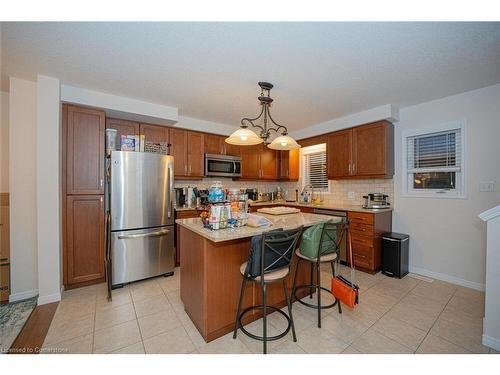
(141, 216)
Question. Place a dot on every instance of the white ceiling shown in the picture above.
(210, 71)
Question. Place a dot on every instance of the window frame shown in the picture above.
(304, 151)
(461, 181)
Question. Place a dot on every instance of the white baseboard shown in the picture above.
(448, 278)
(43, 300)
(491, 342)
(23, 295)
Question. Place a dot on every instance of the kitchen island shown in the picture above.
(210, 272)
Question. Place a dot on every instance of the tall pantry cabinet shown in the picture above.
(83, 195)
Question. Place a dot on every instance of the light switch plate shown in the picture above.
(350, 195)
(487, 186)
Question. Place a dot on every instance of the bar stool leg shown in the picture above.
(318, 288)
(289, 304)
(311, 283)
(264, 318)
(295, 278)
(237, 321)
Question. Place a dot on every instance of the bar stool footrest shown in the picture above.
(261, 338)
(310, 304)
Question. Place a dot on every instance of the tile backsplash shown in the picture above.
(339, 190)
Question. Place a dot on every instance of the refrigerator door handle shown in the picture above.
(159, 233)
(170, 190)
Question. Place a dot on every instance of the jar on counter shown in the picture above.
(216, 193)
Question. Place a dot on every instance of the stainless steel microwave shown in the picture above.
(222, 165)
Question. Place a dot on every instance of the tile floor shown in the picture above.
(394, 316)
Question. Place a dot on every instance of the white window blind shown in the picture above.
(315, 169)
(434, 161)
(437, 152)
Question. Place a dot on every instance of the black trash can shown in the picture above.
(395, 254)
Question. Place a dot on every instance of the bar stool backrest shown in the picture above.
(331, 237)
(277, 252)
(273, 250)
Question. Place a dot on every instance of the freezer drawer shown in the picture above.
(139, 254)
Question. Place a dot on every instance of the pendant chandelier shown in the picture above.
(247, 137)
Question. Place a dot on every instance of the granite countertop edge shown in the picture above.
(288, 221)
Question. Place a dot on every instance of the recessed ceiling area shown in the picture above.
(210, 71)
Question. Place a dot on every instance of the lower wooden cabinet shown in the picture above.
(84, 240)
(367, 230)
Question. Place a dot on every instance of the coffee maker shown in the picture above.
(180, 197)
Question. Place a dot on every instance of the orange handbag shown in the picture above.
(342, 289)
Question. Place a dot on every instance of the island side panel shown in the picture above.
(224, 280)
(193, 283)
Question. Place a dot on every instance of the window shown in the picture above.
(314, 167)
(434, 161)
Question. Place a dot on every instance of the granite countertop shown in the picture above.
(288, 221)
(326, 206)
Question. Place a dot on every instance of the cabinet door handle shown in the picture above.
(189, 168)
(353, 168)
(100, 182)
(350, 168)
(185, 169)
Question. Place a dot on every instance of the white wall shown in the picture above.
(22, 187)
(205, 126)
(447, 239)
(4, 142)
(48, 189)
(120, 106)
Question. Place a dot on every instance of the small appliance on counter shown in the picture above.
(253, 194)
(376, 200)
(180, 197)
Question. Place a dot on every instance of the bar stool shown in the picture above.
(269, 262)
(328, 250)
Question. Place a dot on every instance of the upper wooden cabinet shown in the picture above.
(178, 149)
(232, 150)
(84, 129)
(155, 133)
(122, 127)
(339, 154)
(187, 149)
(259, 162)
(214, 144)
(268, 163)
(195, 153)
(366, 151)
(289, 165)
(373, 150)
(84, 239)
(250, 162)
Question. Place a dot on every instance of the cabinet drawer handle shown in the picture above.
(143, 235)
(360, 256)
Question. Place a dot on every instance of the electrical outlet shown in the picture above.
(350, 195)
(487, 186)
